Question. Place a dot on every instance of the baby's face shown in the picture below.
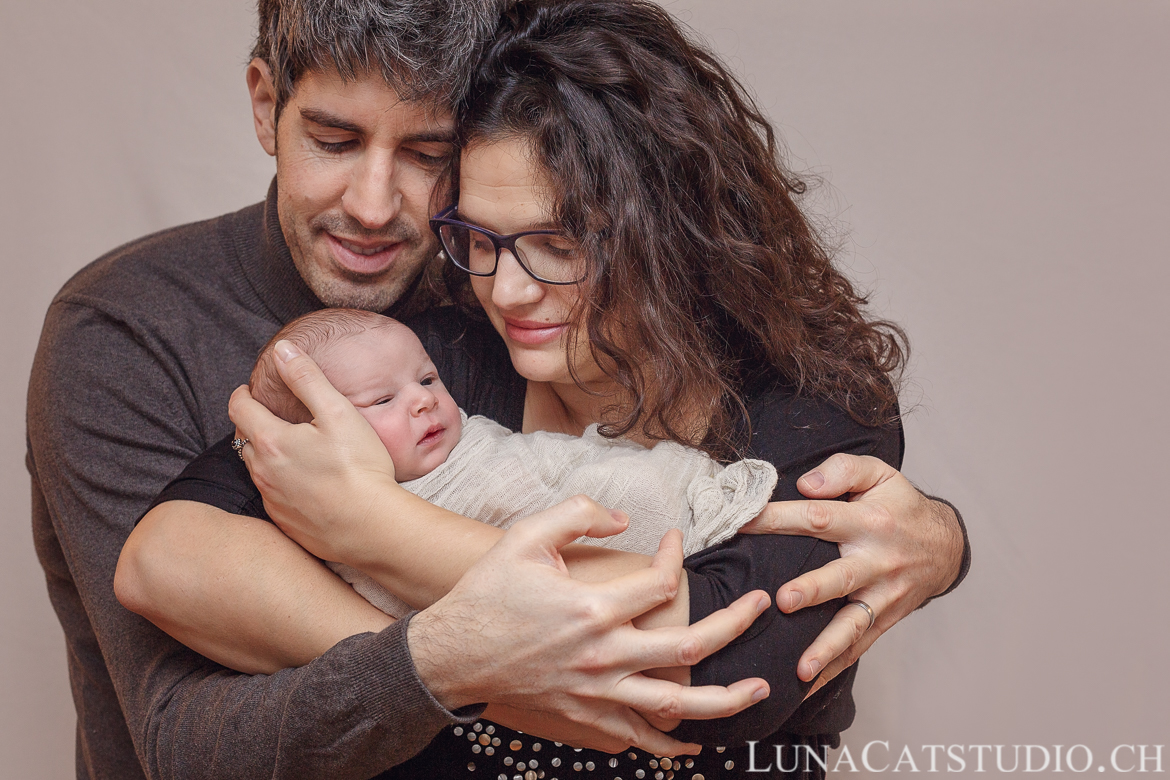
(391, 380)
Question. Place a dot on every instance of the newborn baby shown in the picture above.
(479, 469)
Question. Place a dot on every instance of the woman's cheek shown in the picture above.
(482, 287)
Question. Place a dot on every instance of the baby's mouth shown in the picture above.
(433, 434)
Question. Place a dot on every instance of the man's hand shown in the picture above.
(898, 549)
(518, 631)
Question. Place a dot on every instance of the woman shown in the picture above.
(668, 287)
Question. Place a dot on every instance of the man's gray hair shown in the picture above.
(424, 49)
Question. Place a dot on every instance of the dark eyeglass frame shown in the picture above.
(498, 242)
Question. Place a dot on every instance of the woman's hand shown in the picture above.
(898, 549)
(320, 480)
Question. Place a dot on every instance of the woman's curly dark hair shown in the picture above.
(705, 273)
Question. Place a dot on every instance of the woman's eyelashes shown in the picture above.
(429, 160)
(558, 247)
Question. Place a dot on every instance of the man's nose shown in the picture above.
(373, 196)
(512, 285)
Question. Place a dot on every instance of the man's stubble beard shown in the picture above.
(337, 288)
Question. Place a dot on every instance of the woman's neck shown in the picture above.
(567, 408)
(561, 408)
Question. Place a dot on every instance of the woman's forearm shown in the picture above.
(243, 594)
(418, 551)
(415, 549)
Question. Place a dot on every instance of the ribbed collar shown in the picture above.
(268, 267)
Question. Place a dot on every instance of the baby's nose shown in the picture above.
(422, 399)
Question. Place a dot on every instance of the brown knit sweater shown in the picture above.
(138, 356)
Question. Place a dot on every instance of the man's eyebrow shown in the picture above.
(324, 118)
(321, 117)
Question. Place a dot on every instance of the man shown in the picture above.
(141, 349)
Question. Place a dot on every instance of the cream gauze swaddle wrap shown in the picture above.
(498, 477)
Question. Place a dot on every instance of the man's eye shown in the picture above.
(335, 147)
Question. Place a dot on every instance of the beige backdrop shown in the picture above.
(1001, 171)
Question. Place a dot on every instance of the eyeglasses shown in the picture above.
(547, 256)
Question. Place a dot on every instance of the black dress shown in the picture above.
(794, 434)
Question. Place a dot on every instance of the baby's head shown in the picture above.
(382, 368)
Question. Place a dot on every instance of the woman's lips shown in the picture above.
(363, 257)
(526, 332)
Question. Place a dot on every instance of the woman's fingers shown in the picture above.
(307, 382)
(252, 418)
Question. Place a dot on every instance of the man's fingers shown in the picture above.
(841, 638)
(548, 531)
(611, 730)
(640, 591)
(655, 742)
(621, 727)
(670, 551)
(832, 521)
(307, 382)
(842, 474)
(846, 659)
(671, 701)
(834, 580)
(687, 645)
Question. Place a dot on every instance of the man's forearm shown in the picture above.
(236, 589)
(355, 711)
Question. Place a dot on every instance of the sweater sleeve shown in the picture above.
(794, 434)
(109, 423)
